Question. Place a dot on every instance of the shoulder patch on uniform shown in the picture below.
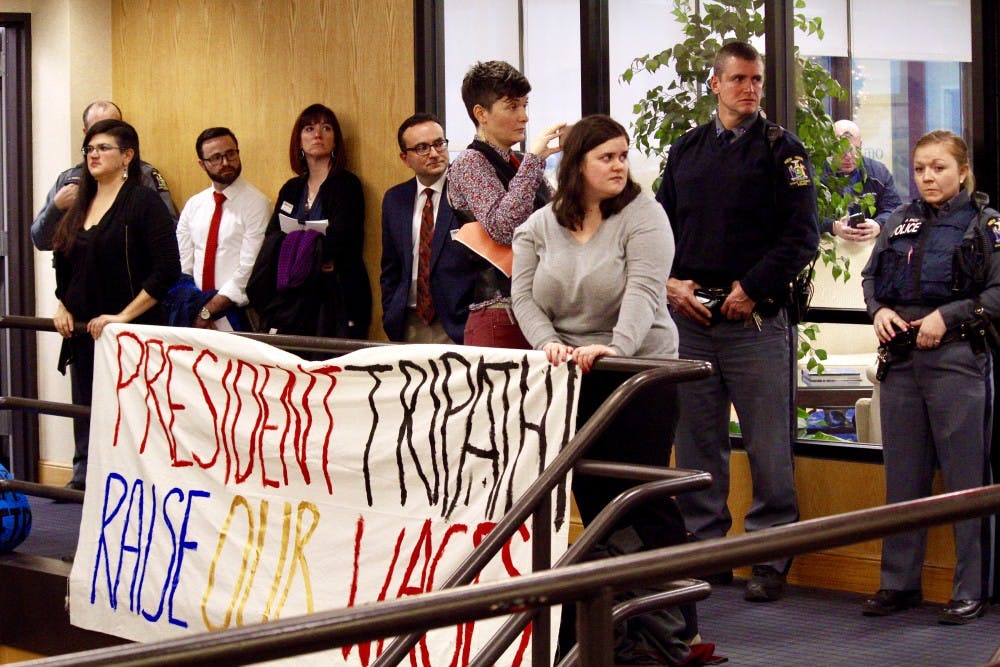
(161, 185)
(798, 175)
(994, 225)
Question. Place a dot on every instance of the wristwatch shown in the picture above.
(205, 314)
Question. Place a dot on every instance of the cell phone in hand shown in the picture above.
(855, 219)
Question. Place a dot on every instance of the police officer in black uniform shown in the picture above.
(739, 194)
(929, 278)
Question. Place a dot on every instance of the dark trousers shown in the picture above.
(81, 373)
(642, 433)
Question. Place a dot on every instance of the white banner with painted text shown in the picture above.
(232, 483)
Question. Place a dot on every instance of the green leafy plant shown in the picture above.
(669, 110)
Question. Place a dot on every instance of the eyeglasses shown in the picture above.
(229, 156)
(100, 148)
(423, 150)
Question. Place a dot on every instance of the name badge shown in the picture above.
(908, 227)
(286, 207)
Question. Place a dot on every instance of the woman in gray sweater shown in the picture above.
(590, 269)
(589, 280)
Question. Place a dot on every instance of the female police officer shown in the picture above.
(929, 275)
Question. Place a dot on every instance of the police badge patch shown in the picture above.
(994, 225)
(908, 227)
(161, 185)
(797, 173)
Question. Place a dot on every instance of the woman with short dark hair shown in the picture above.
(306, 281)
(498, 188)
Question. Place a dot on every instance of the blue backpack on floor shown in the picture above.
(15, 516)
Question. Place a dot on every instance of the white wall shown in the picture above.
(71, 66)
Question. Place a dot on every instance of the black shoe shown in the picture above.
(719, 578)
(960, 612)
(766, 584)
(888, 601)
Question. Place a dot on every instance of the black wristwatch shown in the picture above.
(205, 314)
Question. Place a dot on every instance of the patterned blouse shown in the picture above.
(473, 185)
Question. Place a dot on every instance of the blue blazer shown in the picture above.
(453, 266)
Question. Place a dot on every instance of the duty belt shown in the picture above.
(904, 342)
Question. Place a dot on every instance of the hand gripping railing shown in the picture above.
(586, 581)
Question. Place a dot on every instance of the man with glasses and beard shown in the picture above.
(220, 232)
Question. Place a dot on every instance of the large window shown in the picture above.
(909, 71)
(539, 37)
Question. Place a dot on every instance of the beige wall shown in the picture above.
(70, 65)
(253, 66)
(179, 67)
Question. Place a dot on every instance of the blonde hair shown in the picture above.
(956, 146)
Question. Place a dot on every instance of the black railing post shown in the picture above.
(594, 629)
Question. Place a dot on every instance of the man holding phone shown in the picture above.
(875, 179)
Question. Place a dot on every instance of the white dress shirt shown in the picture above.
(245, 215)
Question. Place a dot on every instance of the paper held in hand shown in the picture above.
(290, 224)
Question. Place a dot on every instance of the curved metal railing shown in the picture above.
(592, 581)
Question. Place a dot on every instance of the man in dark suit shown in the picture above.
(427, 277)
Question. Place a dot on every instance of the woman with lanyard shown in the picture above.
(310, 278)
(931, 272)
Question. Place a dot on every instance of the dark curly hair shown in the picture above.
(72, 221)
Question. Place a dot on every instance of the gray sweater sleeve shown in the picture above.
(649, 254)
(527, 243)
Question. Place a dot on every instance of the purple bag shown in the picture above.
(299, 257)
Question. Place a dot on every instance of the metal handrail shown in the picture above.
(535, 500)
(680, 481)
(318, 344)
(43, 407)
(553, 475)
(41, 490)
(343, 627)
(683, 590)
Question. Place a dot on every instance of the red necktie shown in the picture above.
(514, 161)
(425, 306)
(212, 245)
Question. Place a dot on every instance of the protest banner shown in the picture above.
(231, 483)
